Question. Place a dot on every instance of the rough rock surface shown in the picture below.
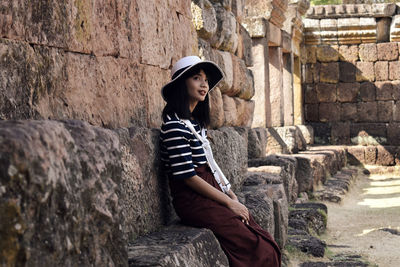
(59, 194)
(314, 215)
(177, 246)
(230, 152)
(307, 243)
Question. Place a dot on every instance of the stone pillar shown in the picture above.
(287, 89)
(297, 92)
(275, 86)
(261, 82)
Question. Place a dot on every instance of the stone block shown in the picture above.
(274, 35)
(370, 155)
(396, 111)
(383, 30)
(349, 31)
(245, 111)
(355, 155)
(258, 8)
(384, 91)
(308, 73)
(60, 186)
(388, 51)
(230, 111)
(307, 133)
(275, 144)
(311, 31)
(396, 90)
(348, 92)
(326, 110)
(326, 92)
(365, 71)
(286, 42)
(229, 147)
(246, 53)
(340, 133)
(348, 53)
(257, 142)
(177, 245)
(368, 133)
(310, 94)
(217, 115)
(347, 72)
(311, 112)
(348, 112)
(327, 53)
(393, 134)
(243, 84)
(384, 157)
(225, 62)
(328, 31)
(329, 72)
(394, 70)
(367, 92)
(385, 111)
(381, 70)
(368, 52)
(311, 54)
(204, 18)
(256, 26)
(395, 29)
(238, 9)
(225, 37)
(367, 111)
(370, 30)
(322, 133)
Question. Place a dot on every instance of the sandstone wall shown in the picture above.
(351, 78)
(99, 61)
(222, 39)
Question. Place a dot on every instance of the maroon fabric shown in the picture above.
(244, 245)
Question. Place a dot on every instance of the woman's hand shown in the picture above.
(232, 195)
(240, 210)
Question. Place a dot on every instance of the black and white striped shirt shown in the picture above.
(181, 151)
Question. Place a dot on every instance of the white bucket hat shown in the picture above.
(215, 74)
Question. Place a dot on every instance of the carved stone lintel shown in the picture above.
(395, 29)
(256, 27)
(349, 11)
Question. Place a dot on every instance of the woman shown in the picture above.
(201, 198)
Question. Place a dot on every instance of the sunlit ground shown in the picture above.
(383, 192)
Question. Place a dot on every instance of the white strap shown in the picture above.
(218, 174)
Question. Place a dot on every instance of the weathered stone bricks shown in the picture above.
(347, 92)
(329, 112)
(329, 72)
(396, 90)
(388, 51)
(347, 72)
(348, 53)
(326, 92)
(367, 91)
(393, 133)
(396, 111)
(368, 133)
(384, 91)
(355, 155)
(381, 70)
(311, 112)
(384, 156)
(367, 111)
(385, 111)
(365, 71)
(326, 53)
(348, 112)
(312, 73)
(368, 52)
(217, 116)
(394, 70)
(310, 94)
(311, 54)
(340, 133)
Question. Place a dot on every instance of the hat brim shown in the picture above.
(214, 75)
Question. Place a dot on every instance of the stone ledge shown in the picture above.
(177, 245)
(349, 11)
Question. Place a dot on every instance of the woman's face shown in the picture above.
(197, 86)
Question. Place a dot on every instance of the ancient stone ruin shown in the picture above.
(308, 91)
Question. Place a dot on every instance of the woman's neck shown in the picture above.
(192, 106)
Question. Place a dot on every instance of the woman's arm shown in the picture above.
(202, 187)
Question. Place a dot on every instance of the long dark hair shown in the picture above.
(178, 101)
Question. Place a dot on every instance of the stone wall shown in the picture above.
(99, 61)
(351, 79)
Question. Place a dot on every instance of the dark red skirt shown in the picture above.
(244, 245)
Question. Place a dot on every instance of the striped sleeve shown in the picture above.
(176, 142)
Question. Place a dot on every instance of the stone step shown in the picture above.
(177, 245)
(336, 187)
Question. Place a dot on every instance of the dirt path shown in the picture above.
(367, 222)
